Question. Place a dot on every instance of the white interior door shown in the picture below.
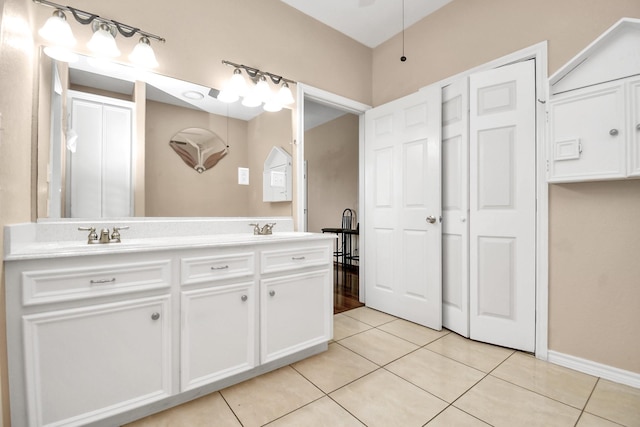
(402, 248)
(455, 207)
(503, 206)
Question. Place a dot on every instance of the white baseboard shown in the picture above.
(594, 368)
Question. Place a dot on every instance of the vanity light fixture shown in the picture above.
(103, 44)
(258, 94)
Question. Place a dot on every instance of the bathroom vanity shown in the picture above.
(103, 334)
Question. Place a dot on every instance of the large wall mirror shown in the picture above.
(160, 183)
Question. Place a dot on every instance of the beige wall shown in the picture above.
(175, 189)
(594, 300)
(593, 297)
(17, 65)
(331, 151)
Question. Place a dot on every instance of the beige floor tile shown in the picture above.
(478, 355)
(500, 403)
(345, 326)
(378, 346)
(272, 395)
(454, 417)
(334, 368)
(207, 411)
(615, 402)
(559, 383)
(436, 374)
(321, 413)
(413, 332)
(369, 316)
(382, 399)
(588, 420)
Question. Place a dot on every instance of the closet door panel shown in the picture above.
(455, 207)
(503, 206)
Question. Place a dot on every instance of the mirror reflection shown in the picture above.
(103, 146)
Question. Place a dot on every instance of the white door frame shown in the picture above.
(344, 104)
(539, 53)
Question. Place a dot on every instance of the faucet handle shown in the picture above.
(93, 236)
(256, 228)
(115, 235)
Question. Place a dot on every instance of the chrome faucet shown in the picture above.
(265, 230)
(104, 237)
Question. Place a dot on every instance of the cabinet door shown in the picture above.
(88, 363)
(218, 333)
(588, 135)
(634, 128)
(296, 313)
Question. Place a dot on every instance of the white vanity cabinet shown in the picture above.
(218, 335)
(107, 334)
(95, 334)
(296, 296)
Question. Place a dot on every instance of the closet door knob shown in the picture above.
(243, 297)
(431, 219)
(155, 316)
(613, 132)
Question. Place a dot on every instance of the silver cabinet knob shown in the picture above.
(155, 316)
(244, 297)
(463, 219)
(638, 126)
(272, 293)
(431, 219)
(613, 132)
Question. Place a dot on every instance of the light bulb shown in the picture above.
(238, 84)
(285, 97)
(57, 30)
(103, 43)
(272, 105)
(143, 55)
(262, 89)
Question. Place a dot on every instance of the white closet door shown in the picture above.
(402, 190)
(116, 169)
(502, 206)
(455, 207)
(85, 178)
(100, 173)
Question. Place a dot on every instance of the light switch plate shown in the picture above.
(243, 176)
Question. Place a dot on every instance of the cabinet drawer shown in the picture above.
(47, 286)
(294, 258)
(217, 267)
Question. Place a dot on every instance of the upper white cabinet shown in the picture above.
(594, 110)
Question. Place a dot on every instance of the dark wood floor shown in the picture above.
(345, 290)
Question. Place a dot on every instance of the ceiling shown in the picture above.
(370, 22)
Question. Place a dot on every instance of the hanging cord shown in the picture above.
(403, 58)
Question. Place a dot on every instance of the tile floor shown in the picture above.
(384, 371)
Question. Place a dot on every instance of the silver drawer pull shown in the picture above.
(613, 132)
(244, 297)
(272, 293)
(224, 267)
(102, 281)
(155, 316)
(298, 258)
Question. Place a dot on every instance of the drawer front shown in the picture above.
(47, 286)
(217, 267)
(294, 258)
